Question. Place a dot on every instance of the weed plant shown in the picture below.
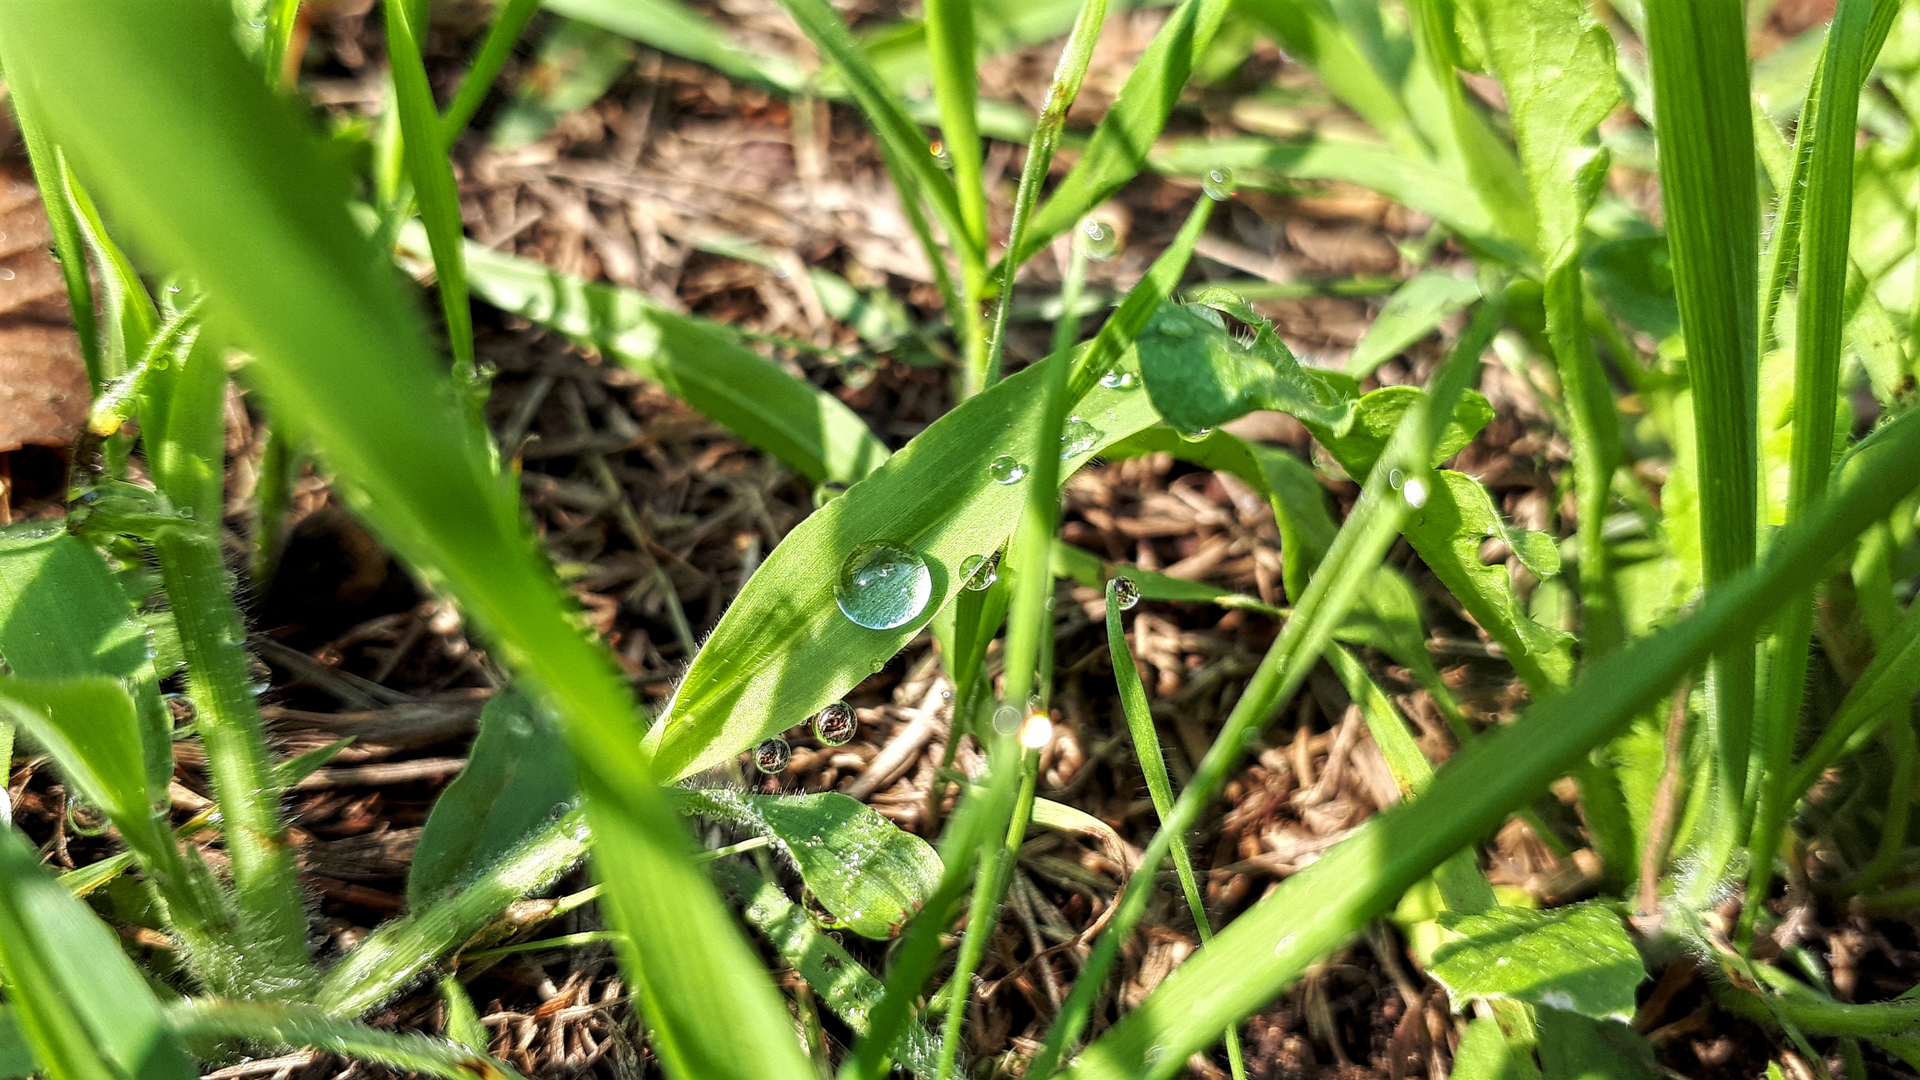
(1670, 650)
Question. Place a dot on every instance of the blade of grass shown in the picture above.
(495, 48)
(951, 50)
(68, 246)
(1821, 317)
(1697, 53)
(1153, 765)
(1314, 911)
(424, 147)
(673, 27)
(243, 201)
(289, 1026)
(1360, 545)
(282, 66)
(1068, 73)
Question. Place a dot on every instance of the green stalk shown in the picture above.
(1698, 59)
(1596, 453)
(1816, 388)
(1068, 74)
(951, 48)
(1153, 765)
(1359, 546)
(507, 26)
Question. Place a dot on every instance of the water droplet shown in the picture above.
(1395, 478)
(1415, 493)
(882, 585)
(5, 274)
(1099, 240)
(946, 694)
(828, 492)
(1005, 470)
(1120, 380)
(836, 724)
(772, 756)
(979, 572)
(1077, 437)
(1196, 434)
(1218, 184)
(1125, 593)
(1006, 719)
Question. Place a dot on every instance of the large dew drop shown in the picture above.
(1077, 437)
(882, 585)
(1006, 469)
(772, 755)
(1218, 184)
(836, 724)
(1125, 593)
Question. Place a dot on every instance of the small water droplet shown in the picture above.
(1005, 470)
(882, 585)
(946, 694)
(1218, 184)
(5, 274)
(979, 572)
(1006, 719)
(836, 724)
(1415, 493)
(772, 755)
(828, 492)
(1099, 240)
(1125, 593)
(1196, 434)
(1120, 380)
(1395, 478)
(1077, 437)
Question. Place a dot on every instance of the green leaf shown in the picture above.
(1377, 414)
(77, 999)
(573, 67)
(1576, 1047)
(16, 1057)
(518, 770)
(1411, 313)
(695, 360)
(841, 981)
(1576, 958)
(1485, 1054)
(672, 27)
(464, 1028)
(1634, 276)
(784, 649)
(864, 870)
(244, 201)
(1119, 145)
(1200, 377)
(284, 1027)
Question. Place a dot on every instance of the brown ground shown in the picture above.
(632, 190)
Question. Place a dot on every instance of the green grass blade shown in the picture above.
(672, 27)
(68, 246)
(575, 65)
(243, 201)
(1153, 765)
(433, 184)
(1410, 314)
(80, 1003)
(1360, 545)
(1119, 145)
(1697, 50)
(1821, 319)
(1311, 33)
(282, 68)
(695, 360)
(1314, 911)
(289, 1026)
(951, 48)
(517, 772)
(495, 48)
(1882, 692)
(1068, 73)
(16, 1057)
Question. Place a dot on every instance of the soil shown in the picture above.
(636, 190)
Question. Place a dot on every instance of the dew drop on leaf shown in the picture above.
(979, 572)
(1218, 184)
(836, 724)
(1099, 240)
(1120, 380)
(772, 755)
(1077, 437)
(1006, 719)
(1125, 593)
(1006, 470)
(882, 585)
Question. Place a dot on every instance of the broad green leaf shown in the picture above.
(864, 870)
(1576, 1047)
(1411, 313)
(1120, 144)
(1378, 413)
(244, 201)
(1200, 377)
(841, 981)
(399, 951)
(1634, 277)
(285, 1027)
(1576, 958)
(16, 1057)
(1312, 913)
(518, 771)
(785, 649)
(1485, 1054)
(697, 361)
(573, 67)
(76, 998)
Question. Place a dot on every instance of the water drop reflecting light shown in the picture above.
(979, 572)
(1005, 469)
(1218, 184)
(772, 755)
(1125, 593)
(836, 724)
(1077, 437)
(882, 586)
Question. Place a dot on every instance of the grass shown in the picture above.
(232, 240)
